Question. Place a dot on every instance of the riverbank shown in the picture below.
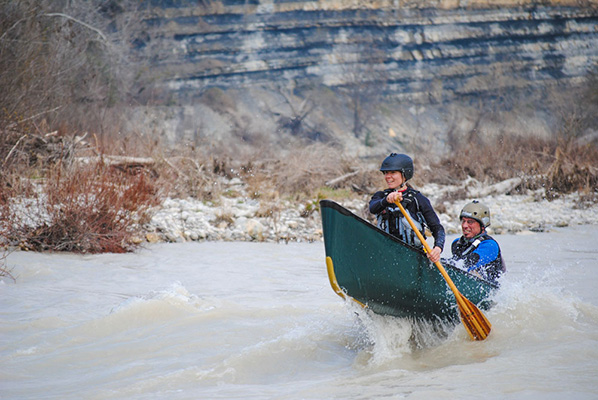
(112, 204)
(245, 219)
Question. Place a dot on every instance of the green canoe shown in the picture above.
(387, 276)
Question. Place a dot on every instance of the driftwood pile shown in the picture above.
(20, 150)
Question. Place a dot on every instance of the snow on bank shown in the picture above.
(241, 219)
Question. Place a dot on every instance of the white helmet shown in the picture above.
(477, 211)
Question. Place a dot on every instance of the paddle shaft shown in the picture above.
(427, 247)
(474, 321)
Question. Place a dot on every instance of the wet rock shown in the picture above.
(152, 237)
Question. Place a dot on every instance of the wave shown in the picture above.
(532, 308)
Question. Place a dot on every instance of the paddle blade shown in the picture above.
(475, 322)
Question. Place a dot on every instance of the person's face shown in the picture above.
(394, 179)
(470, 227)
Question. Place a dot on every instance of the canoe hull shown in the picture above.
(388, 276)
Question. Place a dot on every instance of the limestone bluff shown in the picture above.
(239, 69)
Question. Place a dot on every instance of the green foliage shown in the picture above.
(333, 193)
(368, 140)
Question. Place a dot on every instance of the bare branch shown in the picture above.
(99, 32)
(12, 27)
(334, 181)
(40, 114)
(13, 149)
(123, 161)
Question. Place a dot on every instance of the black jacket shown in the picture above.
(414, 202)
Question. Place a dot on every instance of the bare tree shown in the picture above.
(300, 109)
(66, 62)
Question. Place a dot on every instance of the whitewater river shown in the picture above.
(260, 321)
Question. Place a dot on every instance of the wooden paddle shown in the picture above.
(475, 322)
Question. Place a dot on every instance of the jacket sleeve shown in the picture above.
(432, 220)
(378, 202)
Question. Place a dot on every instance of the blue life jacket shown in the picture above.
(487, 260)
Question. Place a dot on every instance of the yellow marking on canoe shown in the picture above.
(333, 282)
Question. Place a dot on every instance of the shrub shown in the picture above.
(554, 164)
(87, 209)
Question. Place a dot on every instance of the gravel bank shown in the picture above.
(244, 219)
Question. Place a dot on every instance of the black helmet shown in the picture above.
(398, 162)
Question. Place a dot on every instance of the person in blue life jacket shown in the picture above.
(475, 250)
(397, 170)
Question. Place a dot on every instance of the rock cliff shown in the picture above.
(378, 73)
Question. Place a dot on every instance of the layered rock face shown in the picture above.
(405, 50)
(426, 52)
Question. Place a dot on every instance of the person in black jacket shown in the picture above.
(397, 170)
